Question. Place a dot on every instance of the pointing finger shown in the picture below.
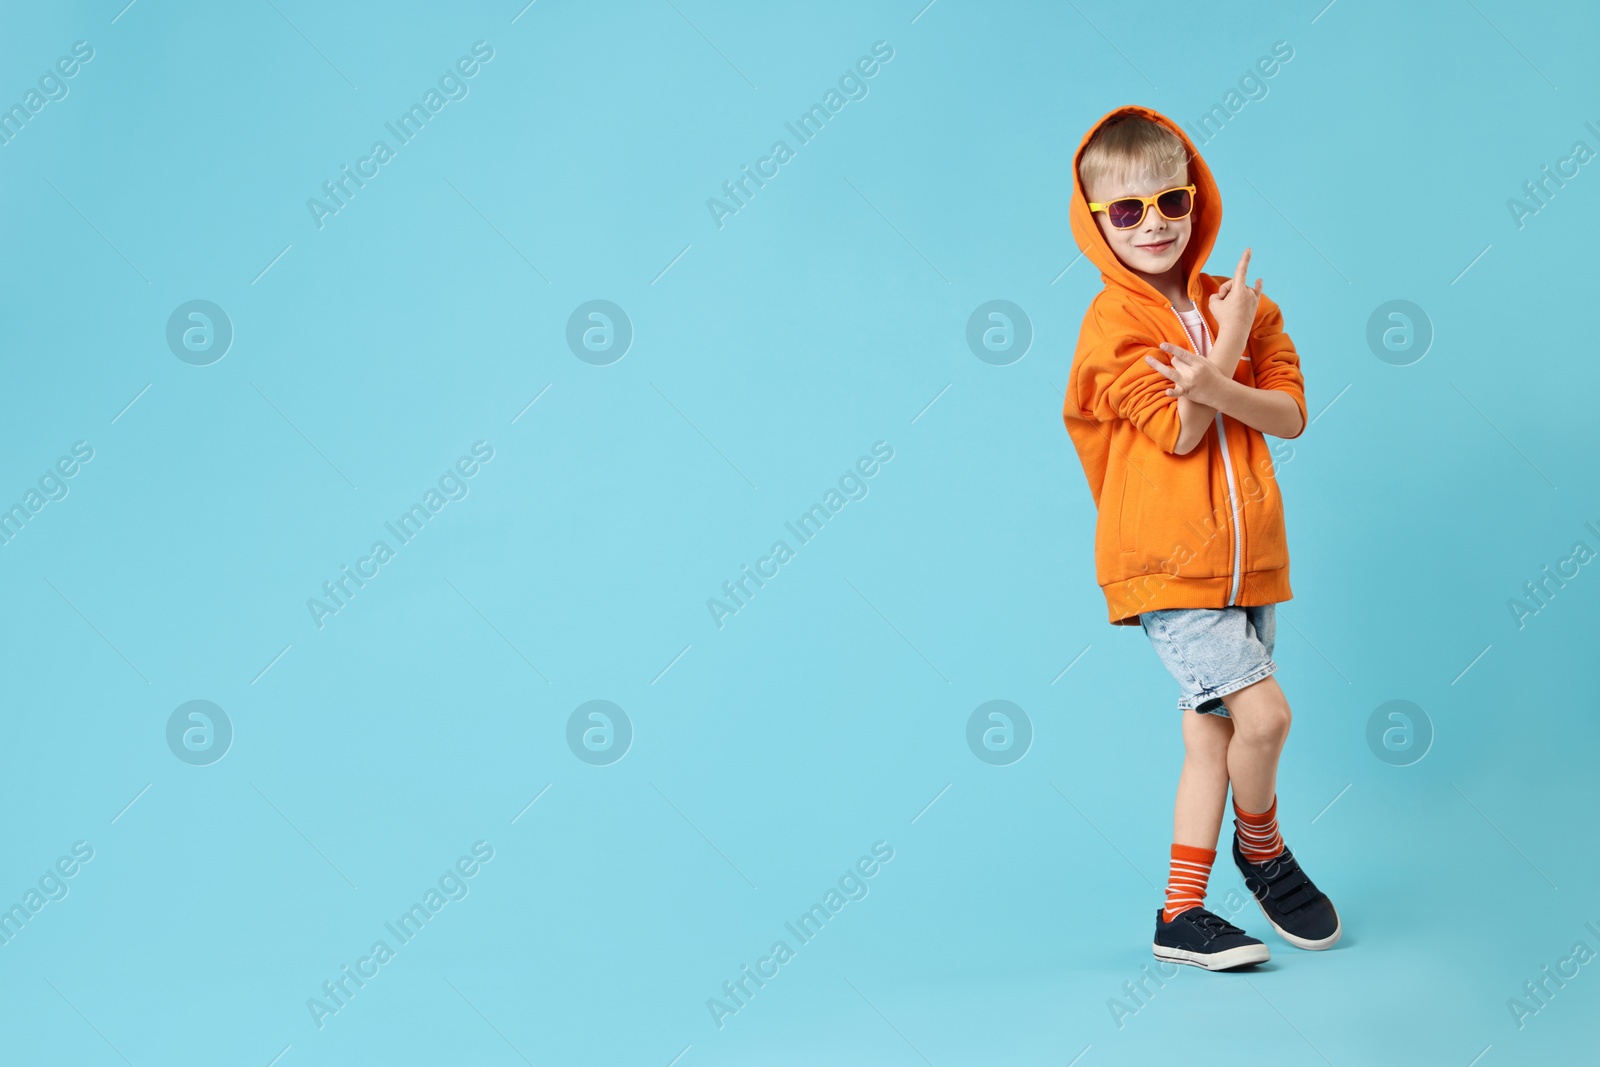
(1244, 262)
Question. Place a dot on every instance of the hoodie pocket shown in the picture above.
(1264, 525)
(1128, 511)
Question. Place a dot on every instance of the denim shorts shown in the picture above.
(1212, 651)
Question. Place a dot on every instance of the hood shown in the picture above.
(1207, 219)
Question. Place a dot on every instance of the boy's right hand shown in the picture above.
(1234, 303)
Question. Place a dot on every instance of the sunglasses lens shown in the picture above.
(1175, 203)
(1125, 214)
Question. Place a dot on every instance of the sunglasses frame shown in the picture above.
(1146, 203)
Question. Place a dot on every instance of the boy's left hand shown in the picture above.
(1192, 376)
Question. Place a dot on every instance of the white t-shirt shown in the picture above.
(1197, 330)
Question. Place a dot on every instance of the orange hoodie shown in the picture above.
(1203, 530)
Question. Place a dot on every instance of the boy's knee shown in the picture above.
(1269, 726)
(1276, 722)
(1262, 718)
(1209, 750)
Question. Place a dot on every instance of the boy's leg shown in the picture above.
(1292, 903)
(1203, 785)
(1261, 721)
(1185, 931)
(1197, 812)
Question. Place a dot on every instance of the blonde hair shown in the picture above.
(1126, 146)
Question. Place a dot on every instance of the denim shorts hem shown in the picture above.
(1211, 652)
(1228, 687)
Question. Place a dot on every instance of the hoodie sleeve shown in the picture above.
(1277, 365)
(1112, 380)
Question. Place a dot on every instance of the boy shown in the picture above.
(1189, 541)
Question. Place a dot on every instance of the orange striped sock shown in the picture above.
(1259, 839)
(1186, 879)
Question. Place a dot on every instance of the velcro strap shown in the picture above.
(1281, 891)
(1305, 894)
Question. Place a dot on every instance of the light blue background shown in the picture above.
(771, 753)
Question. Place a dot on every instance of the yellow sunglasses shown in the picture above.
(1127, 212)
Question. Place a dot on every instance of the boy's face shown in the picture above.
(1154, 246)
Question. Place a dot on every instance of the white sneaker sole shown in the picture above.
(1242, 956)
(1300, 942)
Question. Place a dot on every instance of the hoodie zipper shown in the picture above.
(1227, 461)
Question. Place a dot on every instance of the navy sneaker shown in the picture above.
(1201, 939)
(1300, 912)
